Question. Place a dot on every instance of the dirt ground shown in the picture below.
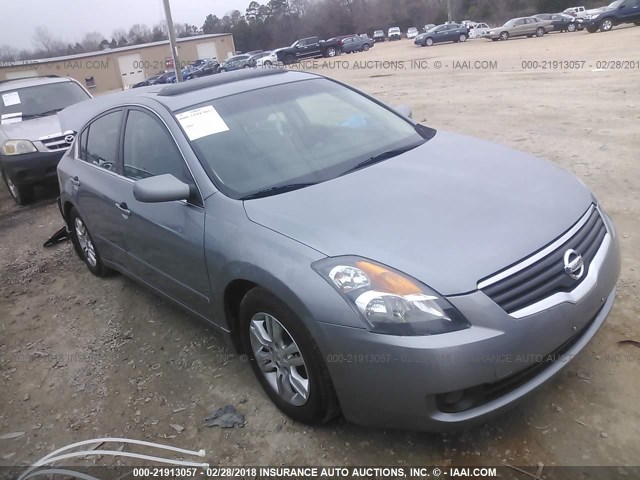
(82, 357)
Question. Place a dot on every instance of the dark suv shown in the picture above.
(31, 139)
(616, 13)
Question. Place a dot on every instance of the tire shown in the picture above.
(331, 52)
(84, 246)
(592, 29)
(289, 59)
(462, 38)
(504, 36)
(21, 194)
(429, 42)
(540, 32)
(365, 47)
(259, 309)
(606, 24)
(571, 27)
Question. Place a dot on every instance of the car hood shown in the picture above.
(33, 129)
(450, 212)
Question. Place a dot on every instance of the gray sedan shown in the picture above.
(520, 27)
(366, 264)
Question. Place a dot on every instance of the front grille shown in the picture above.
(546, 276)
(58, 142)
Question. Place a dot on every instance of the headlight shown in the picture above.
(593, 17)
(389, 301)
(18, 147)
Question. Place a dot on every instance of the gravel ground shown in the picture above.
(82, 357)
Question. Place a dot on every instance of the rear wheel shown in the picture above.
(571, 27)
(365, 47)
(285, 359)
(462, 38)
(504, 36)
(21, 194)
(331, 52)
(606, 25)
(540, 32)
(85, 248)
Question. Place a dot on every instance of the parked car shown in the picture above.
(356, 43)
(412, 32)
(616, 13)
(561, 22)
(31, 138)
(520, 27)
(394, 33)
(147, 81)
(268, 60)
(252, 247)
(429, 26)
(311, 47)
(163, 78)
(236, 62)
(172, 77)
(378, 36)
(451, 32)
(257, 59)
(208, 67)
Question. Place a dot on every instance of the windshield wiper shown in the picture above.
(383, 156)
(267, 192)
(43, 114)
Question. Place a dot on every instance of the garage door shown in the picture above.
(207, 50)
(131, 69)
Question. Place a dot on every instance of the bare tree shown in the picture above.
(139, 33)
(8, 54)
(91, 41)
(44, 40)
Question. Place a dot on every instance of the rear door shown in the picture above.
(165, 241)
(97, 186)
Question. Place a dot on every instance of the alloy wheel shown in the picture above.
(606, 25)
(86, 245)
(279, 359)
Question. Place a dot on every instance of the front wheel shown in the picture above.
(21, 194)
(285, 359)
(571, 27)
(504, 36)
(606, 25)
(429, 42)
(462, 38)
(84, 246)
(592, 29)
(540, 32)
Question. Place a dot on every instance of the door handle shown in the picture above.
(75, 181)
(124, 210)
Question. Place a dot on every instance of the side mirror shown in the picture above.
(161, 188)
(403, 110)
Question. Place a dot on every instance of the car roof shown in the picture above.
(178, 96)
(14, 84)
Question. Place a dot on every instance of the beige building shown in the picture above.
(118, 68)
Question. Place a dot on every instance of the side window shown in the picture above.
(102, 141)
(150, 150)
(82, 144)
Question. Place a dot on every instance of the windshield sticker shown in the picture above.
(202, 122)
(11, 118)
(10, 99)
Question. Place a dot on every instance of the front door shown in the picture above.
(165, 241)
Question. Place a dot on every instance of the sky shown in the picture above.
(69, 20)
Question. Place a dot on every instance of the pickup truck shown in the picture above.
(311, 47)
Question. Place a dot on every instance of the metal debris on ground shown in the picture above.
(225, 417)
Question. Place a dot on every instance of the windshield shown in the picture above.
(378, 32)
(615, 4)
(510, 23)
(413, 29)
(299, 133)
(394, 29)
(40, 100)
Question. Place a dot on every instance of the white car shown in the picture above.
(478, 30)
(268, 60)
(394, 33)
(412, 32)
(578, 12)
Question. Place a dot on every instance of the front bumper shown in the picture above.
(454, 380)
(31, 168)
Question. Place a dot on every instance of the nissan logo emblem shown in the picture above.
(573, 264)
